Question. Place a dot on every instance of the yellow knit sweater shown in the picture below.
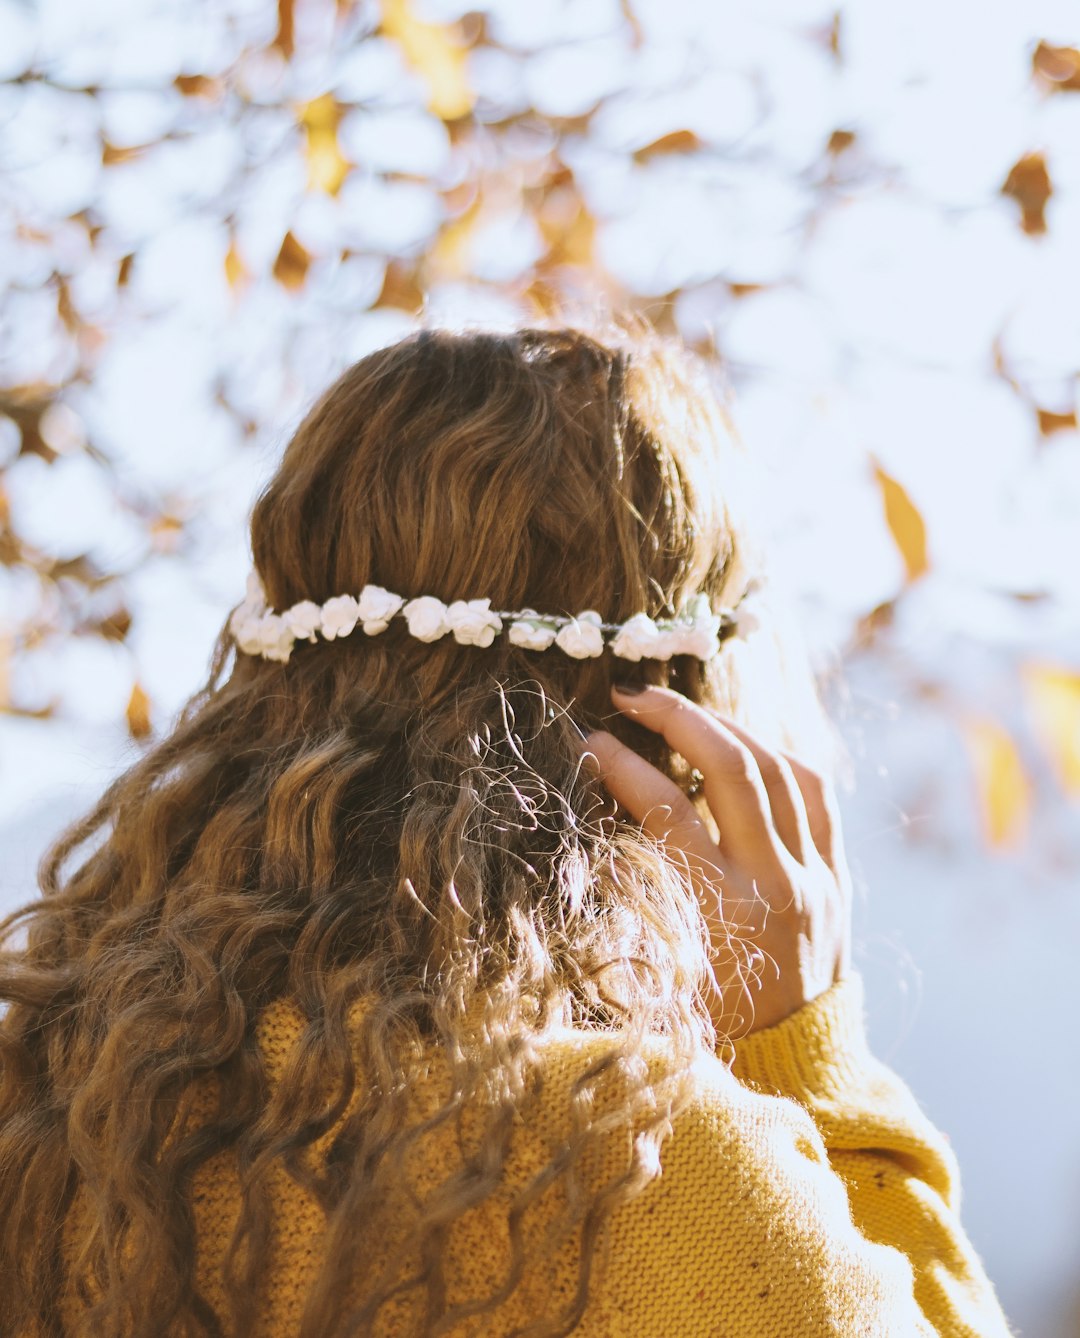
(802, 1192)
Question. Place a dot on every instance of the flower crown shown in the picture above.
(695, 629)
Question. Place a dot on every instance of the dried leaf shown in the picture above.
(292, 263)
(1055, 422)
(1002, 782)
(565, 222)
(327, 165)
(65, 307)
(840, 140)
(401, 288)
(115, 626)
(1057, 66)
(433, 52)
(1053, 699)
(113, 153)
(236, 272)
(905, 523)
(284, 38)
(677, 141)
(542, 297)
(199, 86)
(1028, 183)
(138, 712)
(745, 289)
(450, 254)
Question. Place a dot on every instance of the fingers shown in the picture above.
(821, 810)
(654, 800)
(733, 784)
(786, 796)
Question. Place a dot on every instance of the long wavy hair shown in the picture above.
(381, 821)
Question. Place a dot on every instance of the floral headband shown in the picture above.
(695, 629)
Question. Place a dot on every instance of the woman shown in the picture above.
(422, 980)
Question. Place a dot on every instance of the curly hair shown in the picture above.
(381, 822)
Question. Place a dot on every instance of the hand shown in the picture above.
(770, 872)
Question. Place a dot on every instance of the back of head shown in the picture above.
(382, 821)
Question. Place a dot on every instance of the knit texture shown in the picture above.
(802, 1192)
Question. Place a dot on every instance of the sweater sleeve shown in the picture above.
(811, 1197)
(899, 1172)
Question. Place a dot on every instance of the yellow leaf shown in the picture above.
(905, 523)
(327, 165)
(138, 713)
(434, 55)
(449, 256)
(236, 272)
(1053, 698)
(1003, 784)
(677, 141)
(291, 265)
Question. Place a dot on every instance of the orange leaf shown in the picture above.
(1028, 183)
(198, 86)
(1001, 780)
(283, 38)
(138, 713)
(678, 141)
(1055, 422)
(1059, 66)
(400, 288)
(1053, 699)
(113, 153)
(433, 53)
(291, 265)
(905, 523)
(840, 140)
(327, 165)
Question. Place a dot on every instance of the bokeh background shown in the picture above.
(867, 214)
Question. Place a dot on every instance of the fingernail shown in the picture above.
(630, 689)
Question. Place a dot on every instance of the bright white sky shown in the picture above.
(876, 340)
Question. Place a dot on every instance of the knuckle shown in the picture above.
(740, 766)
(774, 771)
(683, 813)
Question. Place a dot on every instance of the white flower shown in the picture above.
(582, 637)
(244, 619)
(531, 632)
(746, 621)
(638, 638)
(276, 638)
(246, 628)
(377, 607)
(303, 619)
(339, 616)
(701, 640)
(426, 617)
(472, 622)
(254, 594)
